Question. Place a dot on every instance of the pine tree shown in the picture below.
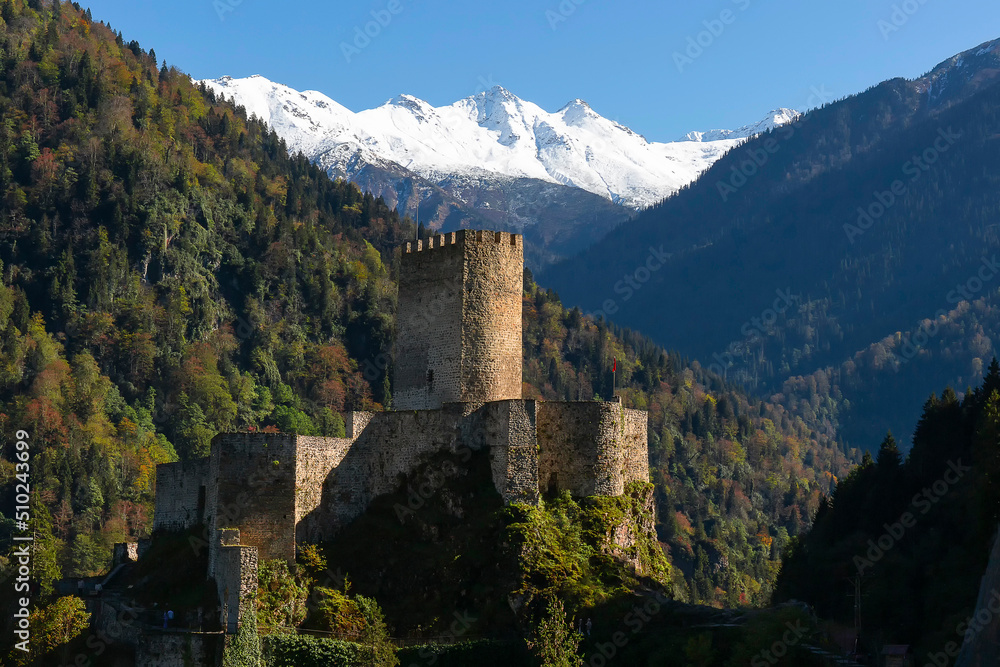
(555, 642)
(889, 457)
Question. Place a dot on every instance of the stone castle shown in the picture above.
(457, 384)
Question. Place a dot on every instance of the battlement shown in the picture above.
(462, 237)
(458, 335)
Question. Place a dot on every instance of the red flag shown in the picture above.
(614, 367)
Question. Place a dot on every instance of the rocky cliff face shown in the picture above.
(979, 636)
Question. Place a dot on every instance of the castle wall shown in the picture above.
(508, 429)
(178, 650)
(428, 359)
(315, 458)
(591, 448)
(178, 488)
(235, 576)
(391, 446)
(256, 490)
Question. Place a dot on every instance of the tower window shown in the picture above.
(430, 377)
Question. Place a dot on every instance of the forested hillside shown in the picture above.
(916, 531)
(169, 272)
(848, 247)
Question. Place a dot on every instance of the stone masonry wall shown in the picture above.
(355, 422)
(235, 581)
(508, 429)
(428, 357)
(178, 650)
(591, 448)
(491, 316)
(315, 458)
(459, 320)
(177, 494)
(392, 445)
(255, 486)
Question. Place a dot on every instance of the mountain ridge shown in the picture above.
(493, 132)
(784, 224)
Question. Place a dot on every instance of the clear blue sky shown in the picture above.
(618, 55)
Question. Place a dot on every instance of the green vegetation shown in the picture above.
(894, 523)
(556, 642)
(243, 648)
(305, 651)
(167, 272)
(849, 317)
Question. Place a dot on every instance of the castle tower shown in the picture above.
(458, 333)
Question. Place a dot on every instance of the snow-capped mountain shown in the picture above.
(563, 179)
(491, 134)
(776, 118)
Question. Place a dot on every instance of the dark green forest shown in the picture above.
(876, 307)
(170, 272)
(916, 531)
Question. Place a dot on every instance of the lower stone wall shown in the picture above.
(315, 458)
(235, 581)
(179, 650)
(281, 489)
(391, 446)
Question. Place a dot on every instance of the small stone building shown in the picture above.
(457, 384)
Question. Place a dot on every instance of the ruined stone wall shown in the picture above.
(255, 490)
(491, 316)
(591, 448)
(177, 494)
(428, 356)
(235, 577)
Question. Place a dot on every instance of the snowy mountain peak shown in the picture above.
(774, 118)
(491, 135)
